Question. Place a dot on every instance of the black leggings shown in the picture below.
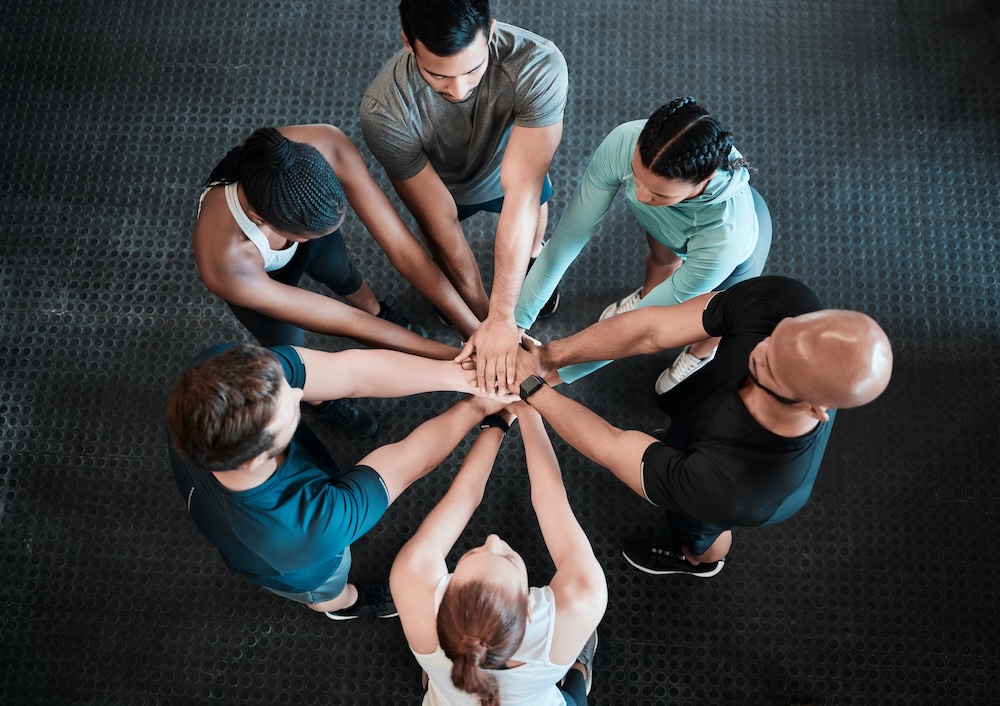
(325, 260)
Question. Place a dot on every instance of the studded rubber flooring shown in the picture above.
(874, 126)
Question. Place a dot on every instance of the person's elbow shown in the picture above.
(404, 569)
(589, 590)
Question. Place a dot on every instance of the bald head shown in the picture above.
(834, 358)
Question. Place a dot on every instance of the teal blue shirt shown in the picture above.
(713, 233)
(290, 532)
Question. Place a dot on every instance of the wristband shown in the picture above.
(494, 421)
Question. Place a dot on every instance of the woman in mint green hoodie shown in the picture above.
(690, 190)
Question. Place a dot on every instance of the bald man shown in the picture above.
(747, 432)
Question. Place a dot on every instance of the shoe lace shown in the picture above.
(629, 303)
(340, 410)
(684, 366)
(374, 595)
(389, 315)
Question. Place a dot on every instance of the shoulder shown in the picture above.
(414, 584)
(621, 141)
(218, 242)
(765, 300)
(528, 58)
(329, 140)
(292, 365)
(516, 41)
(392, 84)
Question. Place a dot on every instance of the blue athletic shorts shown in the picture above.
(494, 206)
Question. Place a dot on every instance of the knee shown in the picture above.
(718, 551)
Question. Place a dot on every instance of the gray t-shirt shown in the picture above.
(406, 123)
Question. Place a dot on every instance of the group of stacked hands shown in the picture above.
(466, 118)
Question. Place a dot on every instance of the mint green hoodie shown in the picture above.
(713, 233)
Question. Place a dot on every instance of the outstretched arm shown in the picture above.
(364, 373)
(525, 163)
(403, 462)
(240, 280)
(420, 564)
(618, 450)
(644, 330)
(430, 202)
(590, 202)
(579, 585)
(402, 248)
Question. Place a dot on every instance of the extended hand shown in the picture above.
(495, 346)
(530, 359)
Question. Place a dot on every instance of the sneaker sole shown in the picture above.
(333, 616)
(555, 307)
(662, 383)
(320, 418)
(707, 574)
(589, 681)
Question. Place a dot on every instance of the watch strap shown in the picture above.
(494, 421)
(530, 386)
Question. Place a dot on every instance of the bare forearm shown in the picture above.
(565, 539)
(379, 373)
(403, 462)
(511, 252)
(581, 428)
(470, 483)
(621, 336)
(428, 279)
(543, 466)
(620, 451)
(378, 333)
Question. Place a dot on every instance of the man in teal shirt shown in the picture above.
(263, 489)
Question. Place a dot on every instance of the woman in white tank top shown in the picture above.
(481, 633)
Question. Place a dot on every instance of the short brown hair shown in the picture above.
(218, 411)
(479, 627)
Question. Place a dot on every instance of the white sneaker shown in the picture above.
(626, 304)
(681, 368)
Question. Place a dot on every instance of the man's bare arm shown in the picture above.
(379, 373)
(430, 202)
(402, 248)
(646, 330)
(403, 462)
(526, 161)
(618, 450)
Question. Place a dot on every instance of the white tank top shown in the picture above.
(533, 682)
(273, 259)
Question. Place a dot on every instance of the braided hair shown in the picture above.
(479, 627)
(682, 141)
(289, 184)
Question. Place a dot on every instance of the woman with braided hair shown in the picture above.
(482, 635)
(688, 187)
(272, 212)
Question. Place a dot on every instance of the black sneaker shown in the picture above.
(344, 415)
(386, 312)
(441, 317)
(658, 555)
(586, 658)
(552, 304)
(374, 601)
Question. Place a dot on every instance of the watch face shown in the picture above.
(529, 386)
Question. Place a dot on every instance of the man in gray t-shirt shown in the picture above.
(467, 118)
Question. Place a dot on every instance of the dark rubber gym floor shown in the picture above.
(874, 126)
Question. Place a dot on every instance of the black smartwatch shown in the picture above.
(494, 421)
(530, 386)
